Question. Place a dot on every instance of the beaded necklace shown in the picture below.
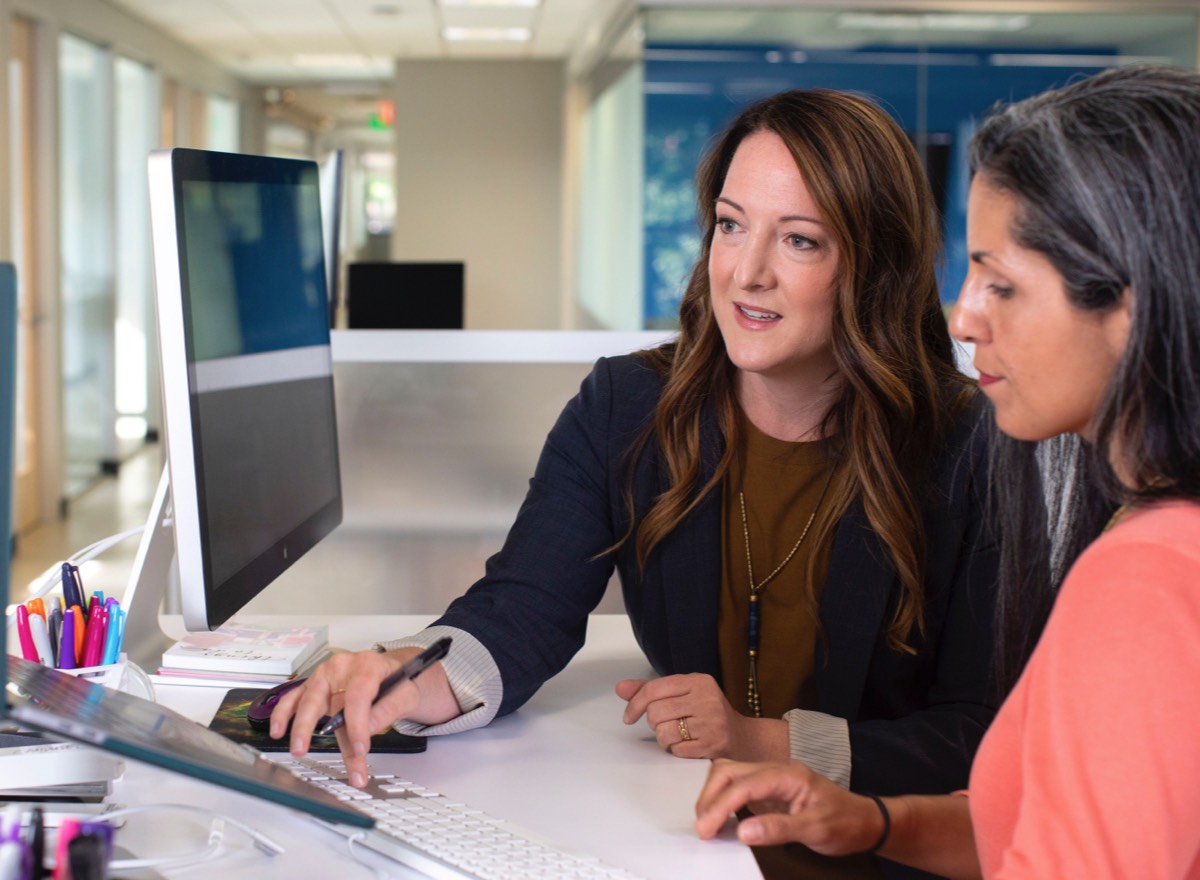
(753, 698)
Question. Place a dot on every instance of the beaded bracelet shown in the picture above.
(887, 824)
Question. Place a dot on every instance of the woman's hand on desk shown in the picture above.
(350, 683)
(691, 718)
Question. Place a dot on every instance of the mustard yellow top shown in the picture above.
(781, 482)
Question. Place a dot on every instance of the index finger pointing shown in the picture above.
(658, 689)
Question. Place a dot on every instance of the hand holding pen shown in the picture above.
(407, 672)
(370, 687)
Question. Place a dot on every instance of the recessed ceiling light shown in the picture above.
(932, 21)
(488, 2)
(365, 64)
(487, 34)
(385, 9)
(328, 60)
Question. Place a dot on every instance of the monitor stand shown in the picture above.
(154, 570)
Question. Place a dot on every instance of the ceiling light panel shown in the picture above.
(487, 34)
(489, 16)
(495, 4)
(932, 21)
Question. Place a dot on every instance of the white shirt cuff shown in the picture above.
(473, 676)
(822, 742)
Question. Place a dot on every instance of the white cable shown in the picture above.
(212, 847)
(182, 861)
(97, 547)
(86, 554)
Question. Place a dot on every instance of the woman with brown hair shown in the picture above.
(790, 492)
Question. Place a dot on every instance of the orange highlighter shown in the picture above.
(80, 626)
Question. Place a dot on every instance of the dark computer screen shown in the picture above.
(247, 371)
(405, 296)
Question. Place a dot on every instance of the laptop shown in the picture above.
(45, 699)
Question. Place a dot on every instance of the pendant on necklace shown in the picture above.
(753, 701)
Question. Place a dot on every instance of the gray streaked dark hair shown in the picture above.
(1106, 175)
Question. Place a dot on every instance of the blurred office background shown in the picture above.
(546, 145)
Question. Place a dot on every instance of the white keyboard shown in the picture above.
(443, 838)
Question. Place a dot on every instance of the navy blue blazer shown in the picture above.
(915, 720)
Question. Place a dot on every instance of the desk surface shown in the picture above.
(563, 766)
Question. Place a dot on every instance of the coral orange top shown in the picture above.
(1092, 766)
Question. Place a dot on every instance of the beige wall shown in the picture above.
(479, 155)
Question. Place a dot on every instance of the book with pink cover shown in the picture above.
(247, 648)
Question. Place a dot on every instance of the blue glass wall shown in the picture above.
(691, 92)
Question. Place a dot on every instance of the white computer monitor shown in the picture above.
(8, 407)
(332, 174)
(252, 477)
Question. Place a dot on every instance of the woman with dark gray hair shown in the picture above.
(1083, 227)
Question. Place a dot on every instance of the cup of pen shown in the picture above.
(91, 649)
(121, 675)
(80, 635)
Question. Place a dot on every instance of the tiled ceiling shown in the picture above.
(298, 42)
(277, 42)
(335, 57)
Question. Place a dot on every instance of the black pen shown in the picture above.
(408, 671)
(35, 842)
(85, 855)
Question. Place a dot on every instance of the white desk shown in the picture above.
(564, 766)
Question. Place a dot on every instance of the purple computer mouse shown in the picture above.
(259, 711)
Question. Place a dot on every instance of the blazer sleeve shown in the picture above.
(530, 608)
(952, 695)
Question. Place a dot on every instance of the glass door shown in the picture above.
(137, 132)
(86, 215)
(23, 156)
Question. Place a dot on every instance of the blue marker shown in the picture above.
(121, 630)
(112, 637)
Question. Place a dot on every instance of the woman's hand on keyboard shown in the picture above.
(691, 718)
(792, 803)
(350, 683)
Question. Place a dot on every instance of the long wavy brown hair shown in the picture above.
(900, 392)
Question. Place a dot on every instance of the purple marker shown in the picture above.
(66, 645)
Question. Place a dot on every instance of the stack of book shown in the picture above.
(244, 655)
(37, 767)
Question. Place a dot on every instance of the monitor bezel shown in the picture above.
(8, 409)
(332, 171)
(205, 604)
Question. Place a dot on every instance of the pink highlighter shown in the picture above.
(94, 641)
(28, 648)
